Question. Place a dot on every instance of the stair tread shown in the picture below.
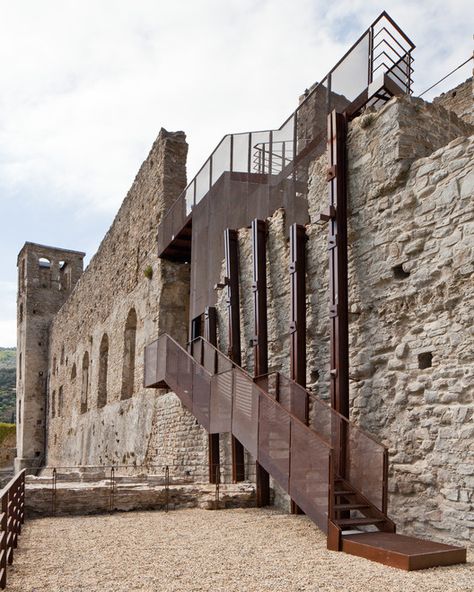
(344, 492)
(357, 521)
(350, 506)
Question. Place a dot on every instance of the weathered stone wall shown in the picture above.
(411, 221)
(124, 281)
(459, 100)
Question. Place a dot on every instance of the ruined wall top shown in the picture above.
(459, 100)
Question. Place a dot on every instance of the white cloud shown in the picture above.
(87, 85)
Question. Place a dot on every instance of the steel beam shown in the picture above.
(210, 333)
(260, 340)
(298, 316)
(298, 304)
(338, 275)
(231, 248)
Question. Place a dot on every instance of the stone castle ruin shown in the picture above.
(247, 324)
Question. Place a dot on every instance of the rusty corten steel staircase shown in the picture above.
(266, 415)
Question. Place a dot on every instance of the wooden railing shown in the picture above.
(12, 516)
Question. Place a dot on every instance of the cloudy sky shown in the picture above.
(87, 84)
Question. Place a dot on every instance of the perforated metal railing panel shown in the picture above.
(309, 476)
(245, 412)
(274, 440)
(264, 415)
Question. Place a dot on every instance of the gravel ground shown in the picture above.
(190, 550)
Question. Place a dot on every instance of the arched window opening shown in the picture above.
(54, 365)
(64, 276)
(128, 372)
(44, 272)
(22, 274)
(73, 372)
(20, 312)
(103, 363)
(62, 355)
(53, 404)
(44, 263)
(85, 382)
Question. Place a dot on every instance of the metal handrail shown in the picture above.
(341, 418)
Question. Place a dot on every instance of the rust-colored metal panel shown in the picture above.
(185, 379)
(245, 412)
(365, 466)
(274, 440)
(201, 395)
(309, 473)
(233, 202)
(404, 552)
(221, 402)
(172, 366)
(150, 377)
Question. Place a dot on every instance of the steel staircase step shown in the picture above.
(357, 521)
(350, 506)
(344, 492)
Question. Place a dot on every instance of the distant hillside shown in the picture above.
(7, 384)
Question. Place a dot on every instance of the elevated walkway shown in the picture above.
(334, 472)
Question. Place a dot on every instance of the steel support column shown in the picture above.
(231, 245)
(338, 273)
(260, 340)
(210, 333)
(298, 304)
(298, 316)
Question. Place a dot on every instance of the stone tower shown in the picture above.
(46, 276)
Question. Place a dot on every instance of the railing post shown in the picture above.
(385, 482)
(112, 489)
(167, 488)
(4, 541)
(53, 495)
(217, 480)
(22, 497)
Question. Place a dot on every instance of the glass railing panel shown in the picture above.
(311, 120)
(261, 152)
(203, 182)
(240, 153)
(283, 146)
(351, 76)
(221, 159)
(189, 198)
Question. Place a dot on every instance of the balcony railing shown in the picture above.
(382, 49)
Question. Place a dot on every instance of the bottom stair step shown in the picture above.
(401, 551)
(357, 521)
